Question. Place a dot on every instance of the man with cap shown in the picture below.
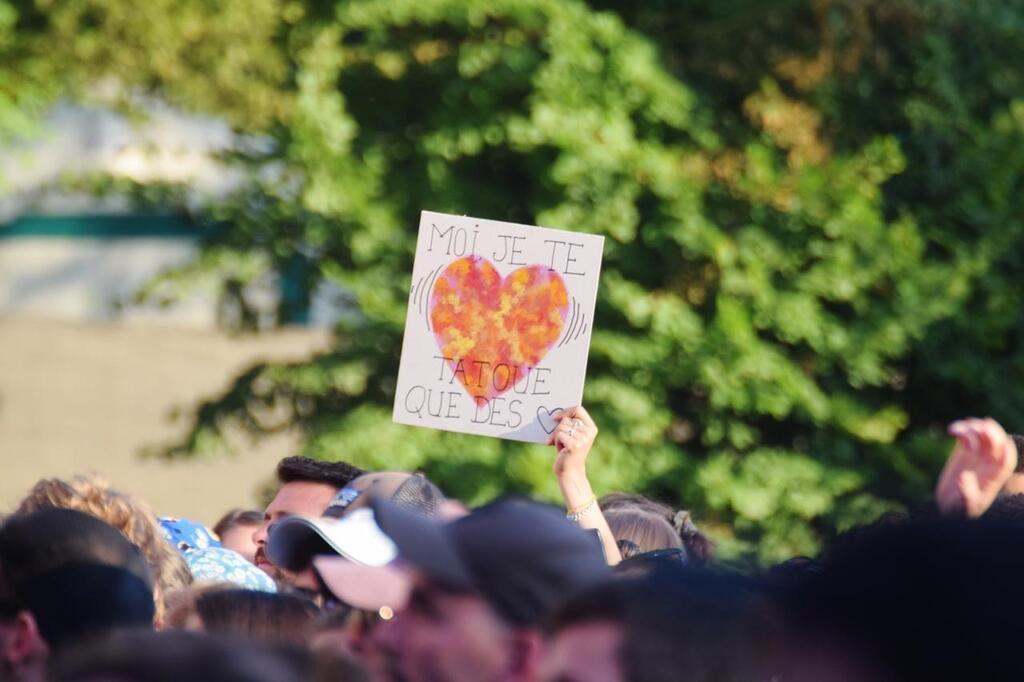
(307, 486)
(346, 527)
(480, 586)
(65, 575)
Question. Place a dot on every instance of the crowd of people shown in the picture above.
(350, 575)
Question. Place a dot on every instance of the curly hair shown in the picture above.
(136, 521)
(338, 474)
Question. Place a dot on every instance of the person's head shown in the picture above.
(639, 525)
(916, 600)
(347, 527)
(331, 632)
(235, 530)
(181, 605)
(175, 655)
(256, 616)
(481, 585)
(65, 575)
(674, 624)
(307, 486)
(134, 519)
(637, 531)
(586, 636)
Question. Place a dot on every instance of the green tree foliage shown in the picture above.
(813, 214)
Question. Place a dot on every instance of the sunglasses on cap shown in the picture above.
(341, 502)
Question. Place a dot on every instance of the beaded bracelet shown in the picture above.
(578, 513)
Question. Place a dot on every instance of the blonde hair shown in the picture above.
(638, 530)
(635, 525)
(136, 521)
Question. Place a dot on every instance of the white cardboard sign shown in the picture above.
(498, 326)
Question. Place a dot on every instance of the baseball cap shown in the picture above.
(523, 557)
(365, 587)
(297, 539)
(77, 575)
(187, 535)
(411, 491)
(294, 541)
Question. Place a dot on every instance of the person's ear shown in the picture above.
(25, 643)
(526, 655)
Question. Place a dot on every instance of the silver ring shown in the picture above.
(576, 422)
(572, 432)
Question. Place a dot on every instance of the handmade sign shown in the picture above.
(498, 326)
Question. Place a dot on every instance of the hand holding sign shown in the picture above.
(498, 326)
(572, 439)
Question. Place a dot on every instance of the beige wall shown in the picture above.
(77, 398)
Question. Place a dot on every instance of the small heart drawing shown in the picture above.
(495, 329)
(546, 416)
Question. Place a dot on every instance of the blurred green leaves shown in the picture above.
(813, 214)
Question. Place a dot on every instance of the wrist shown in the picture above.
(574, 514)
(573, 473)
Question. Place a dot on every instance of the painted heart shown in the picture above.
(495, 330)
(548, 418)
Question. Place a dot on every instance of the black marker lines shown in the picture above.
(426, 296)
(573, 317)
(581, 327)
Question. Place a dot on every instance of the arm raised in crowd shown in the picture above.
(982, 462)
(573, 438)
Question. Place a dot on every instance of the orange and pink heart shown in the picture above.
(487, 322)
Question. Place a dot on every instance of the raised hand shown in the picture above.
(982, 461)
(573, 438)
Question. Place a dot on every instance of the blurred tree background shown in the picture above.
(814, 213)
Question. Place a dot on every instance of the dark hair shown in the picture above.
(1008, 508)
(679, 624)
(333, 619)
(648, 562)
(924, 599)
(236, 518)
(304, 469)
(53, 558)
(604, 601)
(1019, 442)
(257, 616)
(699, 548)
(175, 655)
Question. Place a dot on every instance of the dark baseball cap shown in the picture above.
(77, 575)
(522, 557)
